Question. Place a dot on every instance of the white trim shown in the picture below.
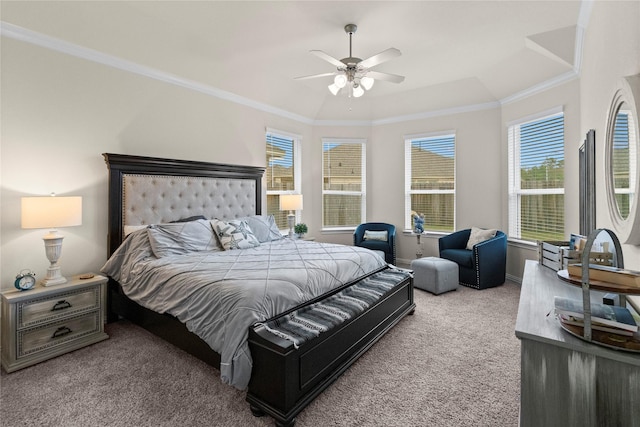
(537, 116)
(430, 135)
(283, 133)
(540, 87)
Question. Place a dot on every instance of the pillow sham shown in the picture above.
(189, 219)
(376, 235)
(479, 235)
(181, 237)
(234, 234)
(264, 227)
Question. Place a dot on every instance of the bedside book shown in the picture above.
(602, 315)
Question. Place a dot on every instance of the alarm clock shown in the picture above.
(25, 280)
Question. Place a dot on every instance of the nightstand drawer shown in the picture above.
(58, 333)
(62, 305)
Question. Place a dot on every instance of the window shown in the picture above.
(536, 178)
(283, 172)
(343, 183)
(624, 161)
(430, 181)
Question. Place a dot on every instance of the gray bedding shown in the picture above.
(220, 294)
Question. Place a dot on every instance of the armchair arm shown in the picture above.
(490, 258)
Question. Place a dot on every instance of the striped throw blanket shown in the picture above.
(310, 321)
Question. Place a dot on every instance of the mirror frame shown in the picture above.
(628, 229)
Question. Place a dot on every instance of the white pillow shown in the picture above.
(234, 234)
(181, 237)
(479, 235)
(264, 227)
(376, 235)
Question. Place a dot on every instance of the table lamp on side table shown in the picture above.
(291, 203)
(52, 212)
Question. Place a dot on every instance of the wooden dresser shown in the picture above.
(46, 322)
(566, 381)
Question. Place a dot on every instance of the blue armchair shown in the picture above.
(482, 267)
(376, 241)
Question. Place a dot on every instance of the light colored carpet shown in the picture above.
(456, 362)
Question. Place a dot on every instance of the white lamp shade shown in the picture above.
(290, 202)
(51, 212)
(358, 91)
(334, 89)
(340, 80)
(367, 82)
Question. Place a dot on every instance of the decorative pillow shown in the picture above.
(181, 238)
(234, 234)
(376, 235)
(264, 227)
(189, 219)
(479, 235)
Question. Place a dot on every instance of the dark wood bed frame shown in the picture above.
(284, 380)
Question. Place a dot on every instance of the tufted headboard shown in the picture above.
(150, 190)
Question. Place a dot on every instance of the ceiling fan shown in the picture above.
(354, 73)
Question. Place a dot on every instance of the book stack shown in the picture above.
(603, 273)
(607, 318)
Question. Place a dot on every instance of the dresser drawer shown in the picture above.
(62, 305)
(58, 333)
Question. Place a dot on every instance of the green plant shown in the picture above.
(300, 228)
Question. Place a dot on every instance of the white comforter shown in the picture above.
(219, 295)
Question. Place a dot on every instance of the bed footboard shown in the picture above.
(285, 380)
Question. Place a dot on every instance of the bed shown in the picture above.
(282, 376)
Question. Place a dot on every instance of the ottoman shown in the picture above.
(435, 275)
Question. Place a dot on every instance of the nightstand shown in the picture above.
(46, 322)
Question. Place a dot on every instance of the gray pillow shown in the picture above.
(479, 235)
(234, 234)
(264, 227)
(376, 235)
(181, 238)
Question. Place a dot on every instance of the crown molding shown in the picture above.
(28, 36)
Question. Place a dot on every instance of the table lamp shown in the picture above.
(291, 203)
(52, 212)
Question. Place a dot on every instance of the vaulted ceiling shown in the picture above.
(454, 53)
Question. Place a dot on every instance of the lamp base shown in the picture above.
(291, 219)
(53, 249)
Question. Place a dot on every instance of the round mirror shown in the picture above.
(622, 163)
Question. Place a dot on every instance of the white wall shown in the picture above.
(59, 113)
(612, 51)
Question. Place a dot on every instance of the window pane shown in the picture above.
(342, 165)
(273, 208)
(542, 217)
(280, 167)
(341, 210)
(433, 164)
(542, 154)
(438, 210)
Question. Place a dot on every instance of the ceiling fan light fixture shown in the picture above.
(357, 91)
(367, 82)
(340, 81)
(333, 89)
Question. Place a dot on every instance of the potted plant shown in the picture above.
(300, 229)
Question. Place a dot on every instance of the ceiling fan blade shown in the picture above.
(314, 76)
(393, 78)
(330, 59)
(383, 56)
